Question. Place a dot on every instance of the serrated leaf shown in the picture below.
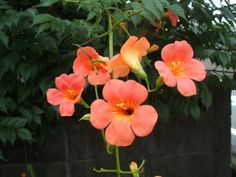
(12, 122)
(1, 156)
(7, 134)
(195, 110)
(163, 110)
(36, 110)
(206, 97)
(228, 13)
(24, 134)
(4, 38)
(46, 3)
(224, 58)
(178, 10)
(42, 28)
(85, 117)
(42, 18)
(155, 7)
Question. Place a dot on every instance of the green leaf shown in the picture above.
(206, 97)
(163, 110)
(228, 13)
(36, 110)
(24, 134)
(4, 38)
(42, 18)
(12, 122)
(178, 10)
(155, 7)
(195, 110)
(46, 3)
(7, 134)
(85, 117)
(224, 58)
(1, 156)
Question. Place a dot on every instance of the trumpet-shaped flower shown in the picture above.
(121, 113)
(179, 67)
(172, 17)
(67, 93)
(130, 57)
(89, 63)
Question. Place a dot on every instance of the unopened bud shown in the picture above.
(133, 166)
(153, 48)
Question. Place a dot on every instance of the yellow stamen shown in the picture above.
(71, 94)
(177, 68)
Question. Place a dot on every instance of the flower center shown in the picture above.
(177, 68)
(71, 94)
(99, 65)
(124, 109)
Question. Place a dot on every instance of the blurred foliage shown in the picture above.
(36, 40)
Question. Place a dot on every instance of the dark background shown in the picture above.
(180, 147)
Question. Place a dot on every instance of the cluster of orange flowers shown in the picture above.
(121, 108)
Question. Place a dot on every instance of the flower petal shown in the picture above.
(144, 120)
(82, 64)
(180, 50)
(62, 82)
(129, 44)
(142, 46)
(186, 86)
(118, 67)
(195, 70)
(133, 93)
(66, 109)
(165, 72)
(111, 91)
(133, 50)
(76, 81)
(101, 114)
(119, 133)
(54, 96)
(99, 78)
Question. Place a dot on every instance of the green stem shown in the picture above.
(159, 83)
(110, 34)
(96, 91)
(83, 103)
(123, 28)
(90, 40)
(118, 170)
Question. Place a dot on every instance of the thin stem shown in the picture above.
(130, 15)
(147, 83)
(118, 170)
(97, 37)
(110, 34)
(84, 104)
(96, 91)
(159, 83)
(102, 170)
(122, 26)
(81, 48)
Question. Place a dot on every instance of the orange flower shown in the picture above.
(89, 63)
(172, 17)
(130, 56)
(122, 113)
(179, 67)
(67, 93)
